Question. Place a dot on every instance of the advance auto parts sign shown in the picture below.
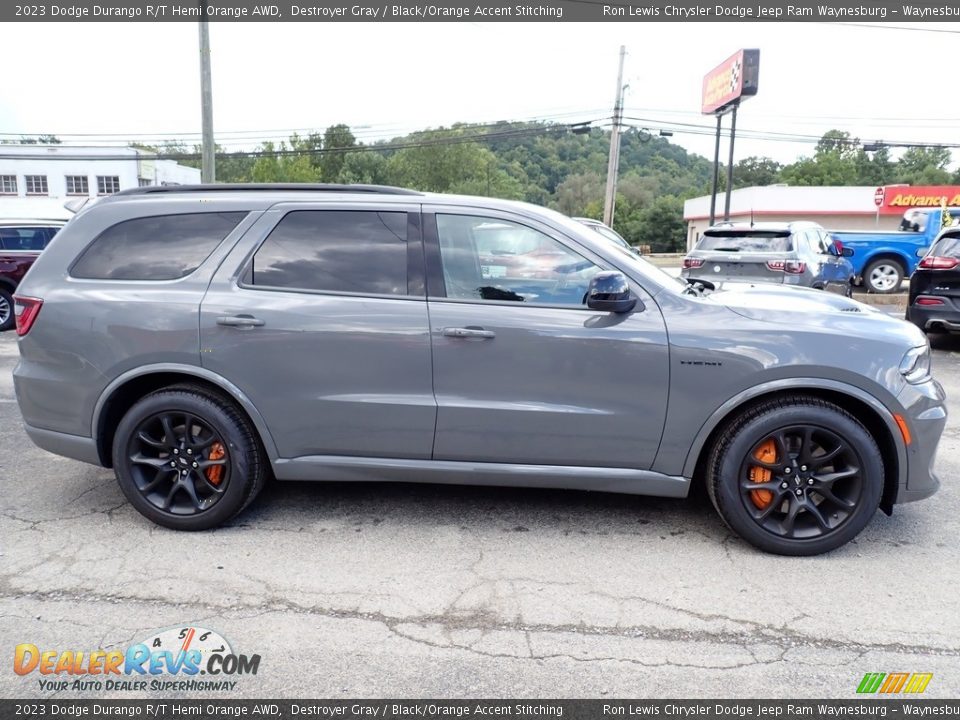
(897, 199)
(733, 79)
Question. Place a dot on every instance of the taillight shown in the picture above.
(928, 301)
(794, 267)
(26, 310)
(692, 262)
(939, 263)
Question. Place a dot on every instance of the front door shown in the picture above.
(319, 316)
(523, 371)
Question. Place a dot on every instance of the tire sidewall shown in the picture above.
(238, 452)
(727, 485)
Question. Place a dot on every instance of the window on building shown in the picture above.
(77, 185)
(8, 184)
(165, 247)
(36, 184)
(362, 252)
(144, 182)
(108, 184)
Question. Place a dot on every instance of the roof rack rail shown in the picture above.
(233, 187)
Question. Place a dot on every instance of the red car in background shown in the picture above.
(21, 242)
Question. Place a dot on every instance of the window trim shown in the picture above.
(416, 282)
(16, 185)
(435, 281)
(80, 193)
(35, 178)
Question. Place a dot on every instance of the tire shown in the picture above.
(756, 505)
(883, 276)
(152, 455)
(7, 317)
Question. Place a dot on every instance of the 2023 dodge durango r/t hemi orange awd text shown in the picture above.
(231, 334)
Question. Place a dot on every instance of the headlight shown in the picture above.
(915, 366)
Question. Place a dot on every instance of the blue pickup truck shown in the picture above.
(881, 260)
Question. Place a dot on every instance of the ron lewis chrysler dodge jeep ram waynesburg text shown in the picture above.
(200, 340)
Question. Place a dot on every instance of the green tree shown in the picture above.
(336, 140)
(756, 171)
(924, 166)
(273, 168)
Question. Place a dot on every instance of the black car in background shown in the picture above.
(934, 300)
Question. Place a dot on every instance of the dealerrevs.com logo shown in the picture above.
(170, 659)
(893, 683)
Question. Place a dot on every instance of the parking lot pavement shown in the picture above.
(377, 590)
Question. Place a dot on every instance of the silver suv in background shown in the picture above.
(202, 340)
(797, 253)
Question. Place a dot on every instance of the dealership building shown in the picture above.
(833, 207)
(61, 171)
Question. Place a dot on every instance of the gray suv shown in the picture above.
(202, 340)
(795, 253)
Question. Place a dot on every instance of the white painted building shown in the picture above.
(62, 171)
(833, 207)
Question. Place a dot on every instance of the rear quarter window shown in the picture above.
(163, 247)
(747, 242)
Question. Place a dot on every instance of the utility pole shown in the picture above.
(733, 137)
(208, 172)
(613, 164)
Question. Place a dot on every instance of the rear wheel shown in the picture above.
(188, 459)
(796, 476)
(883, 276)
(7, 318)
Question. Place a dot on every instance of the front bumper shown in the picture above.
(926, 418)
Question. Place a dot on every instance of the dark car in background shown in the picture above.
(796, 253)
(606, 231)
(20, 244)
(934, 301)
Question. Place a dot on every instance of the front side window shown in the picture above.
(108, 184)
(36, 184)
(348, 251)
(77, 185)
(8, 184)
(26, 238)
(165, 247)
(493, 259)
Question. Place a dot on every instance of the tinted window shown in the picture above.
(947, 246)
(492, 259)
(335, 251)
(756, 241)
(26, 238)
(165, 247)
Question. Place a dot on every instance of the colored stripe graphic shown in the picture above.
(918, 683)
(894, 682)
(870, 682)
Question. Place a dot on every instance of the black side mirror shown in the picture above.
(847, 252)
(609, 291)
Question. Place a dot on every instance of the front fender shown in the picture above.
(797, 385)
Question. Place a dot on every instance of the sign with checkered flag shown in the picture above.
(731, 82)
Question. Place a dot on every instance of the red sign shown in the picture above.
(878, 197)
(897, 199)
(731, 80)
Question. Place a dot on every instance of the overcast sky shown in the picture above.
(385, 79)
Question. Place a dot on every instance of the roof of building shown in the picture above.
(786, 199)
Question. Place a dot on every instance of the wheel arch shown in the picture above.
(867, 409)
(888, 254)
(121, 394)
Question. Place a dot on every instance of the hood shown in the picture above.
(797, 306)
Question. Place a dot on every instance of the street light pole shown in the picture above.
(613, 163)
(208, 172)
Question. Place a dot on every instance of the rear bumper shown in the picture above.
(935, 317)
(79, 448)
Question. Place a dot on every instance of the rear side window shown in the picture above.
(26, 238)
(947, 246)
(349, 251)
(165, 247)
(757, 241)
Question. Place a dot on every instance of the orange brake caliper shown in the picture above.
(215, 472)
(766, 453)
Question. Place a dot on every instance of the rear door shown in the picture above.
(319, 316)
(744, 255)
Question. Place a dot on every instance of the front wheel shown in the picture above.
(188, 459)
(796, 476)
(883, 276)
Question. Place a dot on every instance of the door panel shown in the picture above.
(544, 384)
(331, 373)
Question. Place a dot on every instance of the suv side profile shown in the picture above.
(238, 333)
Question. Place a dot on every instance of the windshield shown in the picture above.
(754, 241)
(611, 235)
